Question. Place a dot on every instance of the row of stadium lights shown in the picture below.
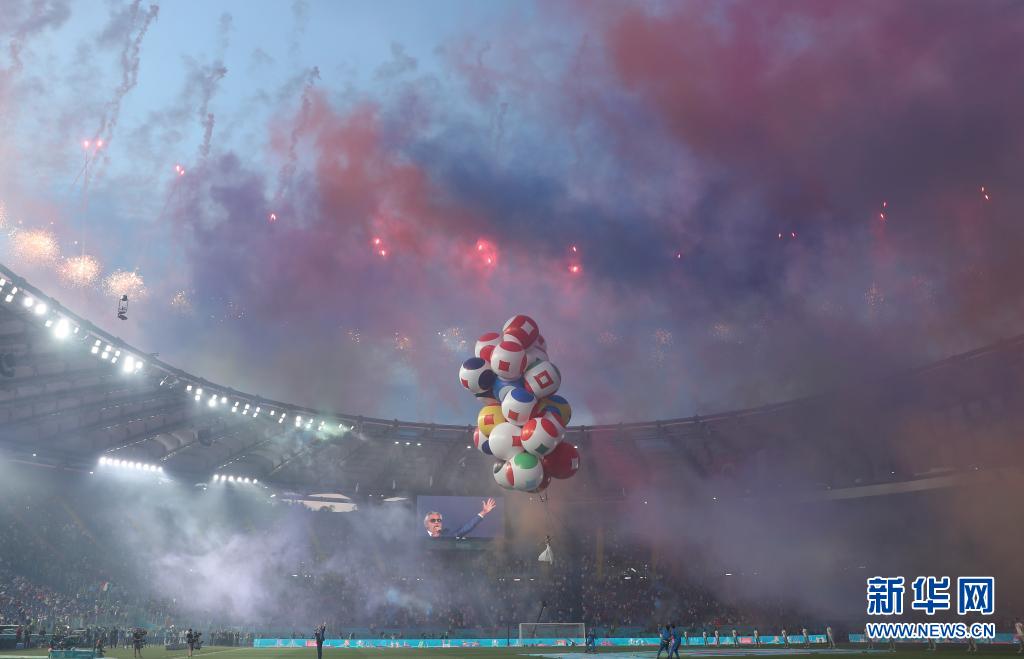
(216, 400)
(221, 478)
(127, 464)
(62, 328)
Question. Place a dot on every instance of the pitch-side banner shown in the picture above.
(816, 639)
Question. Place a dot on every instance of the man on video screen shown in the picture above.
(434, 522)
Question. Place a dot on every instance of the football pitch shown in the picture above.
(523, 653)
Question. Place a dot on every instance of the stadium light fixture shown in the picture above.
(129, 364)
(28, 301)
(48, 323)
(62, 328)
(41, 309)
(188, 388)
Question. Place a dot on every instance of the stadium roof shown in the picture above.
(71, 394)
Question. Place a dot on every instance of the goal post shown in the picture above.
(552, 630)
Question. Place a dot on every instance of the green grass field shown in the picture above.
(497, 653)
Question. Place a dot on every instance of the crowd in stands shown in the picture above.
(60, 568)
(63, 568)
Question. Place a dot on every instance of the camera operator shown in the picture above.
(190, 640)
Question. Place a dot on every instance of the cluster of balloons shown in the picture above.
(523, 419)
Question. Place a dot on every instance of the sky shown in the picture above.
(705, 205)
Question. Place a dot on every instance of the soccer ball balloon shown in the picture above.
(535, 354)
(542, 379)
(505, 441)
(508, 360)
(524, 472)
(541, 436)
(476, 375)
(499, 475)
(517, 405)
(503, 388)
(563, 462)
(481, 442)
(487, 341)
(523, 328)
(544, 483)
(489, 417)
(556, 404)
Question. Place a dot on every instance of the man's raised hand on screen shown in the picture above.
(488, 506)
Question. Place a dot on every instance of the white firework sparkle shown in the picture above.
(125, 282)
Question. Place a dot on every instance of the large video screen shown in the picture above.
(460, 518)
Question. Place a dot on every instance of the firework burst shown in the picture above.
(80, 271)
(181, 303)
(723, 332)
(35, 246)
(453, 340)
(874, 297)
(123, 282)
(402, 343)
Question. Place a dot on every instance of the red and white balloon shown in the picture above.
(523, 420)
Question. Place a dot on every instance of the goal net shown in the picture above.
(576, 631)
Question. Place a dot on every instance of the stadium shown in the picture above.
(760, 390)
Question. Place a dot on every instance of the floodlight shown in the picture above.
(62, 328)
(28, 301)
(41, 309)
